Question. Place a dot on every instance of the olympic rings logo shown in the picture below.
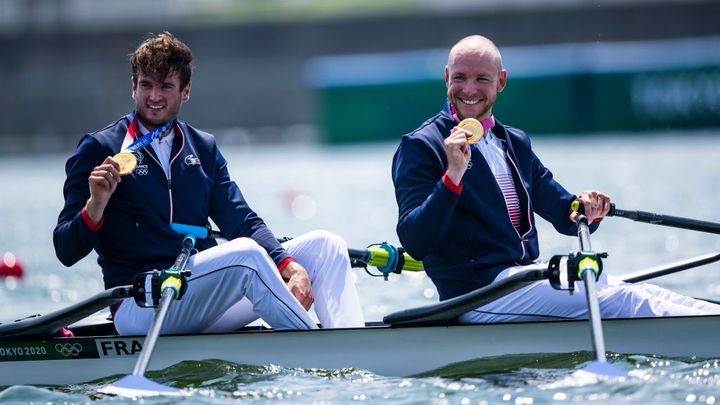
(67, 349)
(142, 170)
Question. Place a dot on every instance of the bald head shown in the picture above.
(474, 76)
(476, 45)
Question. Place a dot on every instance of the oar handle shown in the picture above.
(666, 220)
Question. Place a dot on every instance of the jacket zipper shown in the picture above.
(168, 176)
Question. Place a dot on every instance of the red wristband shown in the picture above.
(284, 263)
(455, 189)
(89, 222)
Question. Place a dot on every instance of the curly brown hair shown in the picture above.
(161, 55)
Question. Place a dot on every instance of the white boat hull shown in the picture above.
(389, 351)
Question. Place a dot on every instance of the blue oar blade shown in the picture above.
(605, 369)
(135, 386)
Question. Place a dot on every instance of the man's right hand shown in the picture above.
(457, 150)
(103, 181)
(299, 284)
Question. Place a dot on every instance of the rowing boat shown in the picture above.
(380, 348)
(415, 342)
(418, 341)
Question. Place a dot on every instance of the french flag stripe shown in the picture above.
(507, 186)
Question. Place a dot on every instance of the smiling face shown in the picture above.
(158, 101)
(473, 77)
(161, 73)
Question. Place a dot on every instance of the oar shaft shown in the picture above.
(666, 220)
(182, 258)
(584, 236)
(673, 267)
(596, 331)
(168, 296)
(358, 254)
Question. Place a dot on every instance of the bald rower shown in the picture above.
(467, 206)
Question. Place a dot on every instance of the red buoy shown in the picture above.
(10, 266)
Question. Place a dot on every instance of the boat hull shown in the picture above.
(389, 351)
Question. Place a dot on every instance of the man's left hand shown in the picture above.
(298, 282)
(595, 204)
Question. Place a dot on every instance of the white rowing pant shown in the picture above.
(618, 299)
(236, 282)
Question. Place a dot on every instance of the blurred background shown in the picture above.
(308, 99)
(359, 70)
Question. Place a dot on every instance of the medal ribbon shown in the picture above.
(146, 139)
(487, 123)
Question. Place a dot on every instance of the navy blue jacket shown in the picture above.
(136, 234)
(465, 240)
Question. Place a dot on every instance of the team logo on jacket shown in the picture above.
(191, 160)
(141, 169)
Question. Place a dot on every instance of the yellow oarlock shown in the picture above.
(173, 282)
(379, 257)
(588, 263)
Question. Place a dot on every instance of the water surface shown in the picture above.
(348, 190)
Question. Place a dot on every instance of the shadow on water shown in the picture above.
(509, 363)
(220, 375)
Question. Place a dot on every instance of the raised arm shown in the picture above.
(426, 197)
(92, 177)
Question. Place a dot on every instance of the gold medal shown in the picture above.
(127, 162)
(474, 126)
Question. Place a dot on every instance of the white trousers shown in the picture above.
(236, 282)
(617, 299)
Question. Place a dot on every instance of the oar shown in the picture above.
(136, 385)
(671, 268)
(588, 271)
(387, 258)
(666, 220)
(49, 324)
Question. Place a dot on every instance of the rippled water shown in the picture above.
(347, 190)
(550, 379)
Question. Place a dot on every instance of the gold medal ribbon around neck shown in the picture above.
(475, 127)
(126, 159)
